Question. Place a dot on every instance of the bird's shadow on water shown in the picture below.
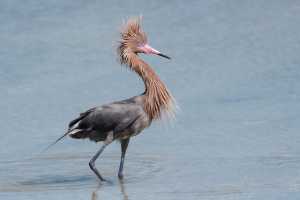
(121, 183)
(57, 180)
(48, 183)
(55, 183)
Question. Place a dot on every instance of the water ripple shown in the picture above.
(57, 172)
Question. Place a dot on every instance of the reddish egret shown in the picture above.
(123, 119)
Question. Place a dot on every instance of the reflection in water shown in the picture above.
(122, 188)
(123, 191)
(94, 195)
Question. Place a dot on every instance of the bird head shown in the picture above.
(134, 40)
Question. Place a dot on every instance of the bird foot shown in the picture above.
(120, 175)
(104, 180)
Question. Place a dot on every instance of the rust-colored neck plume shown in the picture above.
(157, 97)
(158, 100)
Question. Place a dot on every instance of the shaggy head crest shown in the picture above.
(132, 37)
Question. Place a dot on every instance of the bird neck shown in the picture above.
(158, 99)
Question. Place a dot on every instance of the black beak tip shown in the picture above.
(165, 56)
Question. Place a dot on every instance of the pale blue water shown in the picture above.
(235, 74)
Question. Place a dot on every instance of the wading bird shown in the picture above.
(123, 119)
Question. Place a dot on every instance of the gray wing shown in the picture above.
(115, 117)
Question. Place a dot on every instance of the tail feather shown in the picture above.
(79, 133)
(74, 131)
(56, 141)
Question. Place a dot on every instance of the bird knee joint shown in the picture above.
(92, 165)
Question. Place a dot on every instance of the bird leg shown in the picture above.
(107, 141)
(124, 145)
(92, 162)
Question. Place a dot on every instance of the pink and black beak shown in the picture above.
(147, 49)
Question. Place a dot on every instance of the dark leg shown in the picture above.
(108, 140)
(92, 162)
(124, 145)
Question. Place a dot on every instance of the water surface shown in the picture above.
(234, 72)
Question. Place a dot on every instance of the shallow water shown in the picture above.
(234, 72)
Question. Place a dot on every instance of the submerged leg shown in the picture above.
(108, 140)
(124, 145)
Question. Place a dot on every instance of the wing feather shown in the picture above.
(100, 120)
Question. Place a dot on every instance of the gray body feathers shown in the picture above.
(124, 118)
